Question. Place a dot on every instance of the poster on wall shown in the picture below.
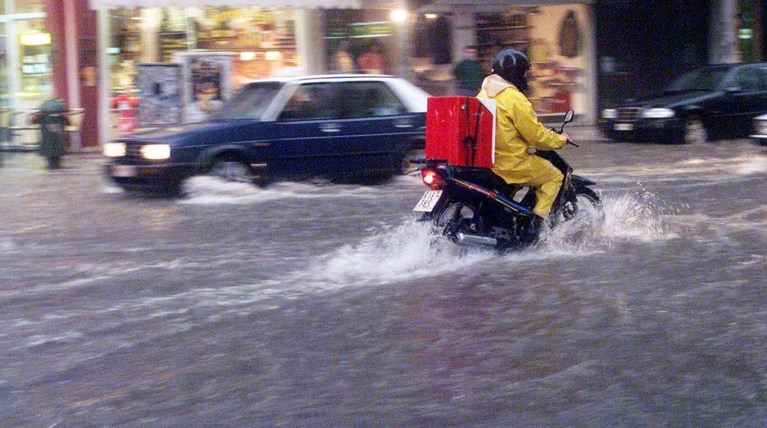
(159, 93)
(207, 83)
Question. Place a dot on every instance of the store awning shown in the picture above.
(267, 4)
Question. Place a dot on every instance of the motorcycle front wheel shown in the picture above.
(586, 203)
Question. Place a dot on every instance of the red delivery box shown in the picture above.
(461, 130)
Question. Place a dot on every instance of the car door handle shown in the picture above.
(404, 123)
(330, 127)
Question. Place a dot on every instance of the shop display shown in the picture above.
(207, 83)
(263, 41)
(170, 43)
(35, 63)
(159, 94)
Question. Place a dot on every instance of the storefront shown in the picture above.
(231, 46)
(252, 40)
(25, 49)
(558, 38)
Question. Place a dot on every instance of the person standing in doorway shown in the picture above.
(468, 73)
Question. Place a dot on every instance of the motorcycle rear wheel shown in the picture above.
(457, 217)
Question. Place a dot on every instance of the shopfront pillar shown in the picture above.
(75, 57)
(310, 40)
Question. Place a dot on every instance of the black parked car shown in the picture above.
(709, 103)
(342, 126)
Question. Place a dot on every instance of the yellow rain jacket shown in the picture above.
(517, 130)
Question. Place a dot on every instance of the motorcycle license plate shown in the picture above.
(428, 201)
(624, 127)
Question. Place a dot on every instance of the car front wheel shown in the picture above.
(231, 169)
(694, 131)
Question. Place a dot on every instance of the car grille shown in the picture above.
(629, 113)
(133, 151)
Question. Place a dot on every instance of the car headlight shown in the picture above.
(658, 113)
(609, 113)
(114, 150)
(760, 127)
(155, 151)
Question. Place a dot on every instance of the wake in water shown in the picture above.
(205, 190)
(413, 250)
(404, 252)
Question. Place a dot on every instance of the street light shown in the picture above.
(399, 16)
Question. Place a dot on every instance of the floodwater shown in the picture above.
(319, 304)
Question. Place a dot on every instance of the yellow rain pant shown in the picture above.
(540, 174)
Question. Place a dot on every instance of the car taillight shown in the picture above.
(433, 179)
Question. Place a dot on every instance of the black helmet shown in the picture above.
(512, 65)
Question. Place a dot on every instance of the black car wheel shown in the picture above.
(694, 131)
(231, 169)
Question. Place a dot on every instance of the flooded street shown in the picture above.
(319, 304)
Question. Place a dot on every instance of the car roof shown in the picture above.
(730, 65)
(326, 78)
(411, 95)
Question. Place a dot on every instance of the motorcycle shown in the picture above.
(474, 206)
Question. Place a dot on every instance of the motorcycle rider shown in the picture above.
(519, 132)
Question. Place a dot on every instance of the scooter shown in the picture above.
(474, 206)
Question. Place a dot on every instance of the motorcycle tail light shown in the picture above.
(433, 179)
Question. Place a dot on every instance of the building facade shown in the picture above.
(586, 54)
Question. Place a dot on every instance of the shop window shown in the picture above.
(35, 61)
(29, 6)
(263, 40)
(433, 39)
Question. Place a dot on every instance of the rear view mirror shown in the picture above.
(569, 116)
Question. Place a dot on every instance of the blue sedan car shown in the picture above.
(340, 127)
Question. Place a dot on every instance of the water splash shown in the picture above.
(636, 216)
(752, 165)
(403, 252)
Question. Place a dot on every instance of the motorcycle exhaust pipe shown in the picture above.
(465, 239)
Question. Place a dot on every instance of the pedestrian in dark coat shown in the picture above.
(53, 139)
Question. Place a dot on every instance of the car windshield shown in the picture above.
(250, 102)
(706, 79)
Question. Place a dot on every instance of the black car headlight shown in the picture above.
(610, 113)
(658, 113)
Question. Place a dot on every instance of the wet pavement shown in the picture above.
(319, 304)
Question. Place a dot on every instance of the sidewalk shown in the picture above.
(15, 163)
